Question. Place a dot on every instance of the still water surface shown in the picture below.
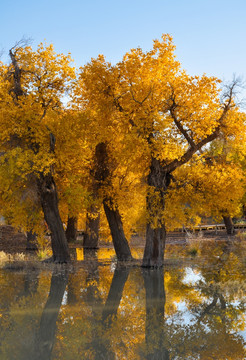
(95, 310)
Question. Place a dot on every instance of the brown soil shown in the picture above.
(11, 240)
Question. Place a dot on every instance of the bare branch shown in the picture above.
(228, 104)
(137, 101)
(24, 41)
(231, 90)
(178, 123)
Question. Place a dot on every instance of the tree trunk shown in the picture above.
(120, 242)
(91, 236)
(102, 176)
(158, 181)
(49, 202)
(154, 246)
(155, 309)
(71, 230)
(229, 225)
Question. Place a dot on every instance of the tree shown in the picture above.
(169, 116)
(32, 87)
(103, 136)
(176, 115)
(211, 185)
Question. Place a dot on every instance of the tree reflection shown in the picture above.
(114, 295)
(195, 312)
(212, 312)
(155, 308)
(102, 322)
(47, 328)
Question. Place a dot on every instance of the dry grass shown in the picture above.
(7, 258)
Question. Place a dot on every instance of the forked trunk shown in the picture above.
(49, 202)
(158, 181)
(91, 236)
(120, 242)
(229, 225)
(71, 230)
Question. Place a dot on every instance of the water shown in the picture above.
(191, 309)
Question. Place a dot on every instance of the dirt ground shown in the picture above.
(12, 241)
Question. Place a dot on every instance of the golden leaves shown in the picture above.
(145, 106)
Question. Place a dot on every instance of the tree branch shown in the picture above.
(196, 147)
(179, 125)
(137, 101)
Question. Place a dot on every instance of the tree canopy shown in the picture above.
(132, 137)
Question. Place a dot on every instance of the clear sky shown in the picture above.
(210, 35)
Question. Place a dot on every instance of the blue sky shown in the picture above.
(210, 35)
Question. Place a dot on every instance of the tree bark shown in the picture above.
(17, 73)
(102, 175)
(158, 181)
(91, 236)
(154, 246)
(71, 230)
(49, 202)
(120, 242)
(229, 225)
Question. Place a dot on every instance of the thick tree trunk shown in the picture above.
(158, 181)
(229, 225)
(49, 202)
(155, 308)
(154, 246)
(120, 242)
(71, 230)
(91, 236)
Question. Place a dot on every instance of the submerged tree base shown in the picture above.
(154, 247)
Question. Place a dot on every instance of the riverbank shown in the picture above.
(12, 241)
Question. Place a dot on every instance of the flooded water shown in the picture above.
(191, 309)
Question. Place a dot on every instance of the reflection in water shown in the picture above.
(105, 314)
(47, 328)
(126, 314)
(114, 295)
(155, 307)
